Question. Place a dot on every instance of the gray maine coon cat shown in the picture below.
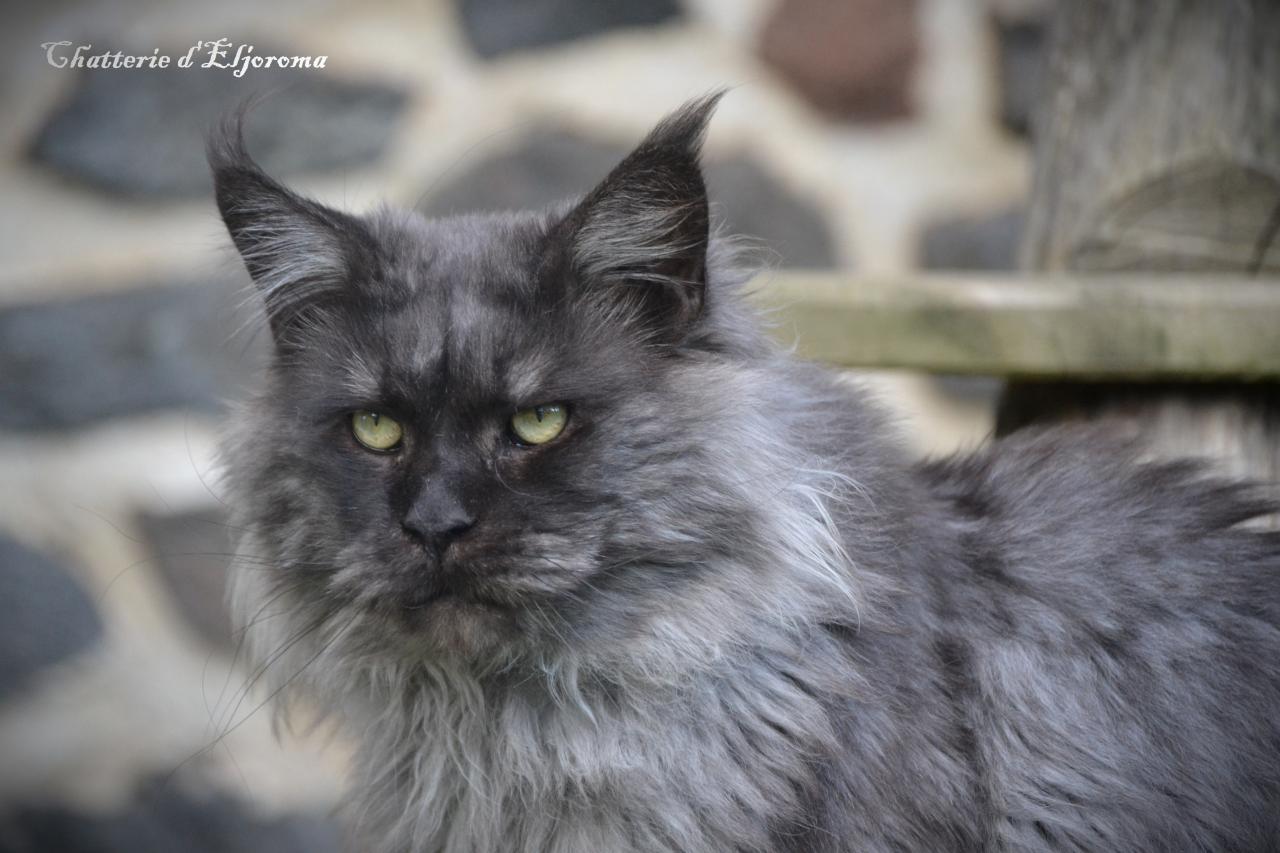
(719, 608)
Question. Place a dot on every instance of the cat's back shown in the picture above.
(1081, 518)
(1116, 625)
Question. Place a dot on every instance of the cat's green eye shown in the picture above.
(539, 424)
(376, 431)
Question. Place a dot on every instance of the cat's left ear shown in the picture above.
(642, 234)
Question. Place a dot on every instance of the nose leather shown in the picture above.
(437, 515)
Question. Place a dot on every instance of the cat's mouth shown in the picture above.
(474, 604)
(421, 599)
(450, 588)
(454, 620)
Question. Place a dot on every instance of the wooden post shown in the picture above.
(1158, 150)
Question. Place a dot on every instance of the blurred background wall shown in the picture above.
(880, 136)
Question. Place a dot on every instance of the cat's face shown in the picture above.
(477, 428)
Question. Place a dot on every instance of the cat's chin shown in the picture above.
(461, 626)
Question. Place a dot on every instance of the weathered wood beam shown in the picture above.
(1176, 327)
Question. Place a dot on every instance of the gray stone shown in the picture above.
(141, 133)
(970, 389)
(193, 552)
(550, 165)
(70, 363)
(754, 204)
(976, 243)
(496, 27)
(45, 615)
(164, 819)
(1022, 58)
(545, 166)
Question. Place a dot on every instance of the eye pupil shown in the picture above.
(375, 431)
(539, 424)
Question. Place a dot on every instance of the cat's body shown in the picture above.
(723, 611)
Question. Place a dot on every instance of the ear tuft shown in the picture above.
(686, 128)
(643, 232)
(297, 252)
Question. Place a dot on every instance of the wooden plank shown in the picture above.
(1180, 327)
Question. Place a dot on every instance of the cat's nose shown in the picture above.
(437, 518)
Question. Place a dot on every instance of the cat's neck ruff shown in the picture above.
(548, 754)
(452, 762)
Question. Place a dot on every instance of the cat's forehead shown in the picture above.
(474, 317)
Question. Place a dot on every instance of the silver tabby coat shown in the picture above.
(723, 610)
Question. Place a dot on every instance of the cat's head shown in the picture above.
(504, 435)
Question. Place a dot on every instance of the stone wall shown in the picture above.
(873, 135)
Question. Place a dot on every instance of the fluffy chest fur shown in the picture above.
(688, 768)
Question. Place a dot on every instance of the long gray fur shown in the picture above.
(724, 611)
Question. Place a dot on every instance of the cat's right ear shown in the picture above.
(299, 253)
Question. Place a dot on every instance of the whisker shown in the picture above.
(232, 727)
(242, 693)
(241, 636)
